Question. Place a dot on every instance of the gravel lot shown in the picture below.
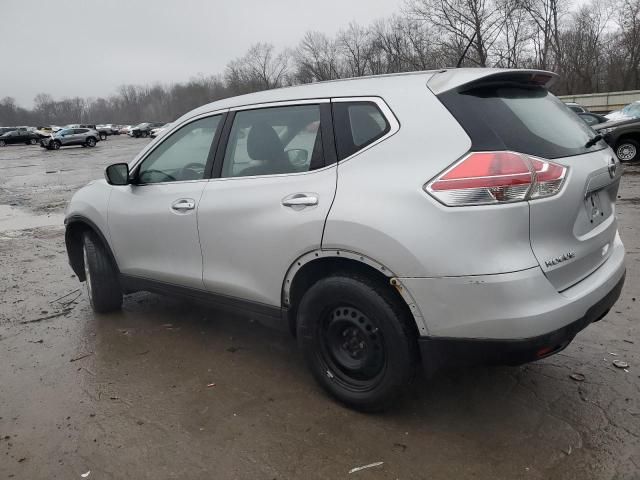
(127, 395)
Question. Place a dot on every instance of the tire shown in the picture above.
(56, 145)
(3, 143)
(357, 341)
(33, 141)
(103, 136)
(103, 285)
(627, 150)
(91, 142)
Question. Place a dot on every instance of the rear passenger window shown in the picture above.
(357, 124)
(274, 140)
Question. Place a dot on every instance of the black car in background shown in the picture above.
(592, 119)
(623, 136)
(144, 129)
(19, 136)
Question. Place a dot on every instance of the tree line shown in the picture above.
(594, 47)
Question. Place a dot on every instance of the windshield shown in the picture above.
(632, 110)
(524, 119)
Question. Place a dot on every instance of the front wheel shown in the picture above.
(627, 150)
(91, 142)
(101, 276)
(357, 340)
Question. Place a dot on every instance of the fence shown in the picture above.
(603, 102)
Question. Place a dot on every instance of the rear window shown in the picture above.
(357, 124)
(523, 119)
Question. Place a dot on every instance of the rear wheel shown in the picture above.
(33, 141)
(2, 143)
(357, 340)
(91, 142)
(627, 150)
(101, 276)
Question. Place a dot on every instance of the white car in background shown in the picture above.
(629, 112)
(155, 132)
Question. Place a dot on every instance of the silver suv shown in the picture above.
(71, 136)
(453, 217)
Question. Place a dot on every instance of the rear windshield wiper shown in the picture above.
(593, 141)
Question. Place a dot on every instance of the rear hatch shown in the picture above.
(572, 231)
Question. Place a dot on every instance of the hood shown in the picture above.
(617, 115)
(618, 122)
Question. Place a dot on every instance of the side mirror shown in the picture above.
(297, 156)
(117, 174)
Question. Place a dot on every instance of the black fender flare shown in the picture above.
(72, 242)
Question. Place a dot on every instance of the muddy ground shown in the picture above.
(128, 396)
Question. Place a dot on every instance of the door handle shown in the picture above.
(300, 200)
(183, 205)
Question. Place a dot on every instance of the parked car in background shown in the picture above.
(627, 113)
(86, 137)
(491, 238)
(125, 129)
(109, 129)
(592, 119)
(4, 130)
(19, 136)
(158, 130)
(624, 138)
(45, 131)
(142, 130)
(576, 107)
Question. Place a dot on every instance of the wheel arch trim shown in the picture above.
(81, 219)
(394, 281)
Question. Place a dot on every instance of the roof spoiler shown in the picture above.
(465, 78)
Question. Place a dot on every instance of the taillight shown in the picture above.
(483, 178)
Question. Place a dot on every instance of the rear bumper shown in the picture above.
(508, 306)
(442, 351)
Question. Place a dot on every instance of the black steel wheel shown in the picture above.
(352, 346)
(357, 339)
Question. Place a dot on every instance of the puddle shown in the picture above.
(13, 218)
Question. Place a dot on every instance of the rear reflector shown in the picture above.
(482, 178)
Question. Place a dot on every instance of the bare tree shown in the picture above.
(475, 22)
(259, 69)
(628, 41)
(547, 16)
(512, 47)
(317, 58)
(354, 44)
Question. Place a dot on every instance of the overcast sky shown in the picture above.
(89, 47)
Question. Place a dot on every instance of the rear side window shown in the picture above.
(274, 140)
(520, 118)
(356, 125)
